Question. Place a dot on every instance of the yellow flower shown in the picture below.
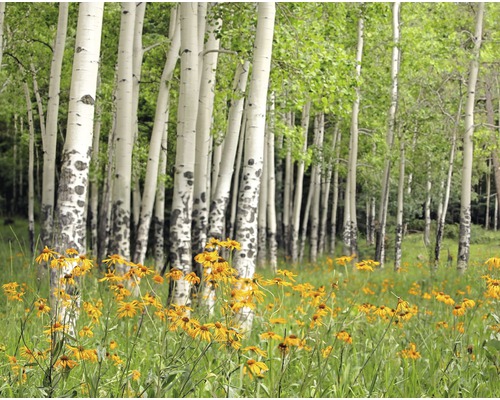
(42, 307)
(231, 244)
(255, 368)
(277, 320)
(213, 243)
(442, 324)
(151, 300)
(111, 277)
(71, 252)
(493, 262)
(286, 273)
(278, 282)
(468, 303)
(46, 255)
(175, 274)
(326, 351)
(444, 298)
(86, 332)
(135, 375)
(80, 353)
(55, 327)
(458, 310)
(203, 332)
(92, 311)
(158, 279)
(270, 336)
(65, 362)
(128, 309)
(344, 336)
(113, 345)
(114, 259)
(410, 352)
(192, 278)
(116, 359)
(344, 260)
(291, 340)
(256, 350)
(207, 258)
(366, 265)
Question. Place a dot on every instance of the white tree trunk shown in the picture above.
(468, 149)
(335, 195)
(248, 200)
(31, 158)
(400, 203)
(236, 179)
(155, 145)
(73, 182)
(384, 198)
(299, 181)
(287, 188)
(350, 220)
(182, 202)
(201, 193)
(50, 139)
(220, 200)
(94, 184)
(271, 191)
(427, 206)
(122, 176)
(2, 17)
(319, 122)
(262, 210)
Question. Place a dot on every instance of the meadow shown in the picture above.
(338, 328)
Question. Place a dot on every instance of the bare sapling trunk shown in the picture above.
(427, 207)
(155, 146)
(399, 212)
(319, 125)
(335, 195)
(31, 160)
(468, 148)
(271, 192)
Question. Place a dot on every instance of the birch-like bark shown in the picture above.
(182, 202)
(488, 194)
(305, 218)
(384, 198)
(262, 211)
(124, 138)
(335, 195)
(73, 182)
(31, 158)
(244, 261)
(287, 188)
(299, 182)
(490, 117)
(49, 140)
(155, 145)
(94, 183)
(427, 207)
(319, 122)
(468, 148)
(220, 200)
(201, 194)
(442, 219)
(138, 55)
(235, 185)
(271, 191)
(350, 221)
(325, 191)
(400, 203)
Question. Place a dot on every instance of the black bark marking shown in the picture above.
(80, 190)
(80, 165)
(251, 161)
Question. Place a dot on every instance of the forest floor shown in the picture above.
(330, 329)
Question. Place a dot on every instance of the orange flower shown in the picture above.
(344, 336)
(410, 352)
(65, 362)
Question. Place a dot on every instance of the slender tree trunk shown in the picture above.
(427, 207)
(465, 199)
(384, 198)
(49, 140)
(305, 218)
(490, 117)
(31, 157)
(244, 261)
(155, 145)
(488, 194)
(495, 221)
(122, 177)
(271, 191)
(73, 182)
(262, 210)
(350, 220)
(297, 201)
(201, 194)
(335, 195)
(287, 188)
(399, 212)
(316, 186)
(182, 202)
(325, 190)
(220, 199)
(236, 180)
(94, 184)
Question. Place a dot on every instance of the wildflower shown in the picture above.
(381, 311)
(446, 299)
(283, 348)
(113, 345)
(287, 273)
(410, 352)
(65, 362)
(135, 375)
(255, 368)
(213, 243)
(278, 282)
(111, 277)
(46, 255)
(192, 278)
(231, 244)
(280, 320)
(116, 359)
(80, 353)
(326, 351)
(128, 309)
(460, 327)
(55, 327)
(92, 311)
(344, 336)
(67, 279)
(468, 303)
(367, 290)
(59, 262)
(158, 279)
(207, 258)
(344, 260)
(256, 350)
(366, 308)
(291, 340)
(316, 320)
(493, 262)
(458, 310)
(175, 274)
(203, 332)
(270, 336)
(71, 252)
(86, 332)
(151, 300)
(366, 265)
(42, 307)
(114, 259)
(120, 291)
(85, 263)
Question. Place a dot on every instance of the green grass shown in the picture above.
(459, 360)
